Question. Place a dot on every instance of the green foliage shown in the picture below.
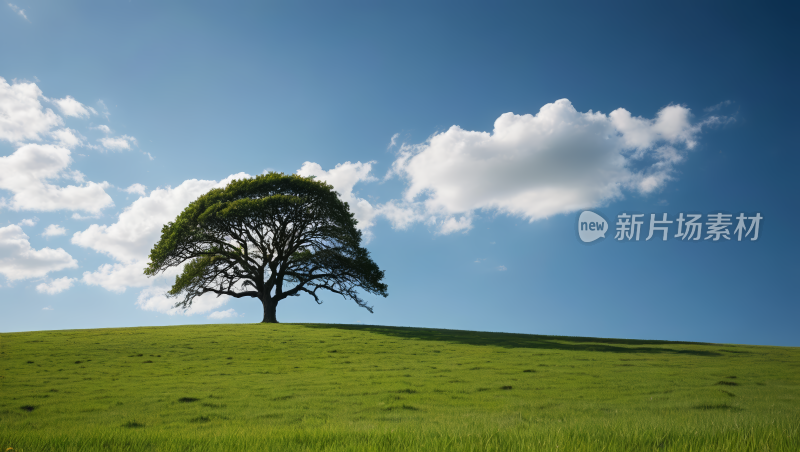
(269, 237)
(319, 387)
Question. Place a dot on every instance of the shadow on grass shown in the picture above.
(511, 340)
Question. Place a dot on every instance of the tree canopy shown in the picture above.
(269, 237)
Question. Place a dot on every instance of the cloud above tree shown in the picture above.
(128, 242)
(529, 166)
(557, 161)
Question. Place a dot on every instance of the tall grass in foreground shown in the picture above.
(361, 388)
(655, 435)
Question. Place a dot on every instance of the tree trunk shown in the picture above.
(270, 305)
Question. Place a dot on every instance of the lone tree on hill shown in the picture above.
(270, 237)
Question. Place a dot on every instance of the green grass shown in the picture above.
(364, 388)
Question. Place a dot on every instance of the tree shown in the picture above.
(269, 237)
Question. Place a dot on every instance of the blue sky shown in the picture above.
(468, 137)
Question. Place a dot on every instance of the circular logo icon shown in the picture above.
(591, 226)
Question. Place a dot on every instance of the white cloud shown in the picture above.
(54, 230)
(30, 171)
(27, 174)
(136, 189)
(122, 143)
(139, 225)
(555, 162)
(154, 299)
(118, 277)
(130, 239)
(217, 315)
(18, 260)
(502, 268)
(47, 308)
(22, 116)
(453, 224)
(672, 125)
(720, 105)
(103, 128)
(402, 214)
(23, 119)
(56, 286)
(19, 11)
(77, 216)
(393, 142)
(28, 222)
(67, 138)
(343, 178)
(72, 107)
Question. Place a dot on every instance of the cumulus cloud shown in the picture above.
(67, 138)
(453, 224)
(130, 239)
(31, 172)
(122, 143)
(119, 277)
(535, 166)
(72, 107)
(154, 298)
(103, 128)
(343, 178)
(54, 230)
(24, 119)
(402, 214)
(138, 189)
(217, 315)
(56, 286)
(671, 125)
(18, 260)
(29, 221)
(28, 174)
(22, 116)
(138, 227)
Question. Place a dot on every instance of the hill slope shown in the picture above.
(352, 387)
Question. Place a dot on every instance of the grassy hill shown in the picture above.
(363, 388)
